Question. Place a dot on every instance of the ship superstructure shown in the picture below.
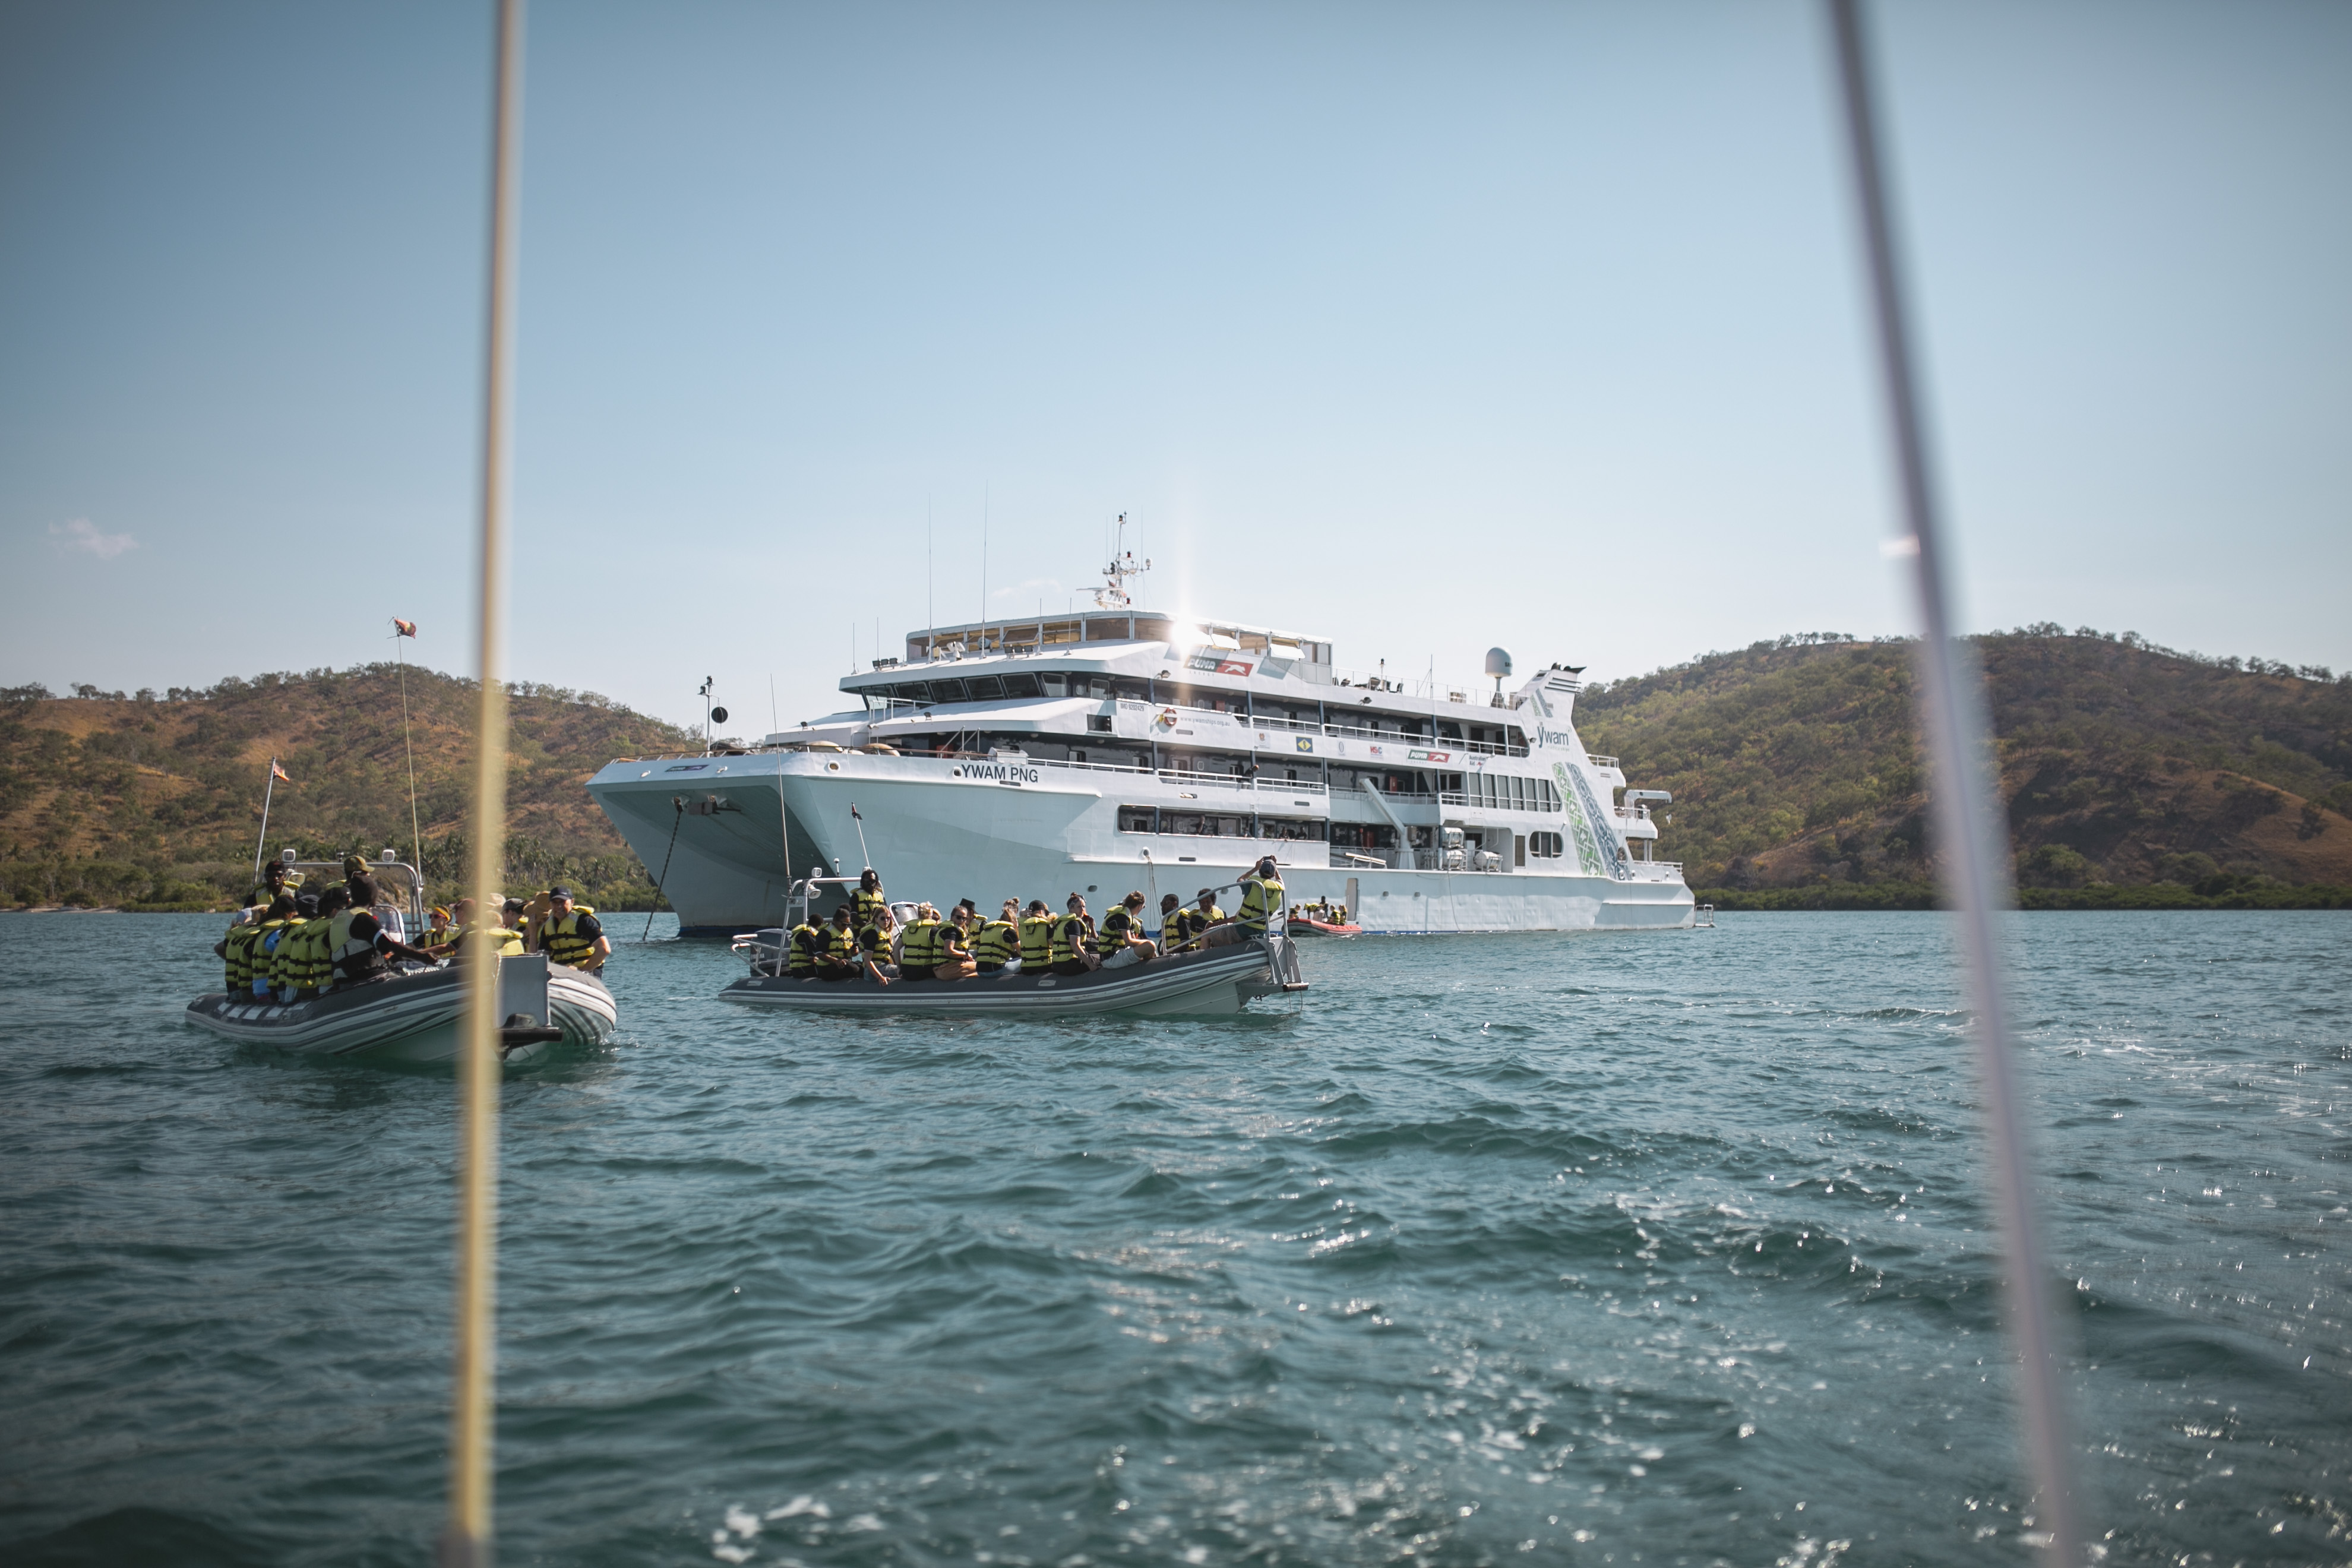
(1122, 748)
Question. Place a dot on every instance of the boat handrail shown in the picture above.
(1601, 761)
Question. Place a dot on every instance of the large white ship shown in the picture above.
(1122, 749)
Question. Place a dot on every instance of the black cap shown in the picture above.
(1266, 865)
(967, 904)
(558, 891)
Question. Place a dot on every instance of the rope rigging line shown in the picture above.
(676, 823)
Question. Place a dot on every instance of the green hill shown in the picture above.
(1797, 775)
(107, 798)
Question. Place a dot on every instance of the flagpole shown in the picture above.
(268, 785)
(415, 833)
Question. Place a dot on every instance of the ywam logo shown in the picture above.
(1002, 771)
(1553, 737)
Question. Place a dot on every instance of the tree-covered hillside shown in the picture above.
(107, 798)
(1797, 764)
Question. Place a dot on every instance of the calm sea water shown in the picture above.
(1665, 1248)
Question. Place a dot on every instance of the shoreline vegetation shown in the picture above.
(151, 803)
(2134, 777)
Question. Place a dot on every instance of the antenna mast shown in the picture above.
(1113, 594)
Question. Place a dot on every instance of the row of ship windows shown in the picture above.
(1340, 835)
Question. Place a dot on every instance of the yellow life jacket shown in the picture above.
(920, 948)
(1069, 938)
(1200, 920)
(800, 949)
(238, 959)
(1116, 927)
(1171, 932)
(508, 943)
(302, 958)
(1036, 942)
(995, 942)
(349, 959)
(841, 941)
(562, 942)
(874, 945)
(865, 908)
(1261, 896)
(261, 973)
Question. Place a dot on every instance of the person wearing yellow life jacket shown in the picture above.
(866, 898)
(358, 947)
(570, 935)
(273, 882)
(919, 946)
(1073, 940)
(466, 931)
(802, 946)
(998, 942)
(874, 960)
(1123, 941)
(1261, 898)
(839, 958)
(956, 962)
(302, 970)
(260, 983)
(1172, 929)
(1037, 939)
(1204, 914)
(236, 956)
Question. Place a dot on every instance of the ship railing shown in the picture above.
(1353, 731)
(1602, 761)
(1455, 798)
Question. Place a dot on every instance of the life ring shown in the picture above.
(1167, 718)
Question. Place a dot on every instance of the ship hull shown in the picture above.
(727, 835)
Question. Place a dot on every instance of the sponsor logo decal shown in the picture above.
(1553, 737)
(1305, 743)
(1232, 666)
(1429, 756)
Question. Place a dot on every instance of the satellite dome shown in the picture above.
(1499, 662)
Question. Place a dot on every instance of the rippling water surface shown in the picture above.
(1663, 1248)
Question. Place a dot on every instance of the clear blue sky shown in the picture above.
(1418, 327)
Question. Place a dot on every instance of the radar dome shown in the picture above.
(1499, 662)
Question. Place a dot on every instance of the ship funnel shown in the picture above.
(1499, 662)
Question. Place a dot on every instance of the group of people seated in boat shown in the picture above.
(865, 940)
(291, 943)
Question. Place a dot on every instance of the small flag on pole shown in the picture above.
(853, 810)
(403, 628)
(278, 773)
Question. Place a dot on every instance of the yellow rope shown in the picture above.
(467, 1540)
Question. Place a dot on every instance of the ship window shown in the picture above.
(1020, 686)
(1055, 685)
(1151, 628)
(1093, 685)
(1113, 630)
(1255, 642)
(947, 690)
(1545, 845)
(1138, 819)
(1017, 636)
(912, 691)
(1183, 822)
(1098, 723)
(1061, 631)
(980, 688)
